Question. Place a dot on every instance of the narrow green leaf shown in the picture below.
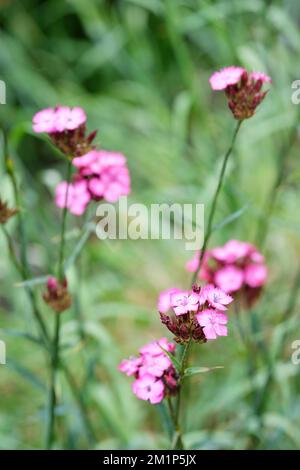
(24, 335)
(173, 359)
(165, 418)
(79, 246)
(26, 374)
(230, 218)
(33, 282)
(199, 370)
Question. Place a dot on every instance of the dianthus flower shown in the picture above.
(106, 174)
(184, 301)
(100, 175)
(221, 79)
(155, 375)
(186, 320)
(77, 199)
(213, 323)
(236, 267)
(243, 89)
(164, 299)
(66, 128)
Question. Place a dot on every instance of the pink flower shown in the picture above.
(204, 292)
(109, 158)
(243, 90)
(78, 196)
(164, 299)
(155, 365)
(213, 323)
(226, 76)
(130, 366)
(96, 160)
(256, 275)
(155, 348)
(58, 119)
(231, 267)
(217, 298)
(231, 251)
(44, 121)
(66, 129)
(68, 119)
(108, 173)
(260, 76)
(113, 183)
(184, 302)
(229, 279)
(148, 388)
(154, 372)
(256, 257)
(86, 161)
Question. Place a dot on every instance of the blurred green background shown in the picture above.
(140, 69)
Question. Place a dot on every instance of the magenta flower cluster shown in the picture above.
(236, 267)
(155, 375)
(66, 128)
(58, 120)
(196, 315)
(228, 76)
(243, 89)
(101, 174)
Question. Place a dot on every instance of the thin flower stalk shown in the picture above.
(215, 200)
(55, 349)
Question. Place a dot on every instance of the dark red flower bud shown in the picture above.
(57, 295)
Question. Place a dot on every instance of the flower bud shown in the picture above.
(57, 295)
(5, 212)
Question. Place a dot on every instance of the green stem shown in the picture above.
(177, 440)
(52, 394)
(55, 347)
(10, 170)
(61, 273)
(80, 403)
(215, 200)
(11, 251)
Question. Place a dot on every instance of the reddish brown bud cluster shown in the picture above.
(245, 96)
(184, 328)
(57, 295)
(74, 143)
(5, 212)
